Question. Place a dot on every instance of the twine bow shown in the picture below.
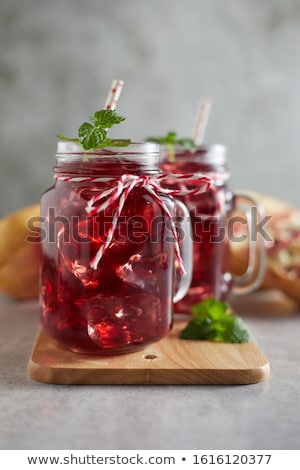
(118, 193)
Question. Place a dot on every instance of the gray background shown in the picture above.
(58, 58)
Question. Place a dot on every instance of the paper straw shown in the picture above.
(114, 94)
(201, 121)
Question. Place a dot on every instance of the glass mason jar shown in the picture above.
(109, 249)
(211, 216)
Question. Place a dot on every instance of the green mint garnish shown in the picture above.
(106, 118)
(187, 143)
(170, 140)
(211, 321)
(94, 136)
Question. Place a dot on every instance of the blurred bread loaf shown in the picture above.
(283, 251)
(19, 259)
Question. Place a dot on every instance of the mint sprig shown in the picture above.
(213, 321)
(170, 140)
(94, 136)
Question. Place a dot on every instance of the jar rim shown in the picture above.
(213, 153)
(68, 148)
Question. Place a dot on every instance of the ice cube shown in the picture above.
(77, 247)
(76, 256)
(69, 287)
(144, 272)
(119, 321)
(88, 276)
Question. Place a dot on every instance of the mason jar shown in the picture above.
(109, 247)
(213, 220)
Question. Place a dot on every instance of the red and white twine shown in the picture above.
(117, 194)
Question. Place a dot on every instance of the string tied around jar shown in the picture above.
(118, 194)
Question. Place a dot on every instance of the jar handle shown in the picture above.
(186, 253)
(252, 278)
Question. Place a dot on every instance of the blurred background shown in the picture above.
(58, 58)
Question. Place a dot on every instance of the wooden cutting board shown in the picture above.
(169, 361)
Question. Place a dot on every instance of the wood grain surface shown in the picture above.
(169, 361)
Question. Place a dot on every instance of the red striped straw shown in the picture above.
(201, 121)
(114, 94)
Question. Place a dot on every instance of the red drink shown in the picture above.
(208, 214)
(124, 301)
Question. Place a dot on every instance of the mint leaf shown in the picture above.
(189, 144)
(235, 331)
(106, 118)
(211, 305)
(212, 321)
(94, 136)
(91, 137)
(116, 142)
(196, 330)
(170, 140)
(74, 139)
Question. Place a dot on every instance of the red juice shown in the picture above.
(208, 214)
(125, 301)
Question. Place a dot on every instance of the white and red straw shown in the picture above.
(114, 94)
(201, 121)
